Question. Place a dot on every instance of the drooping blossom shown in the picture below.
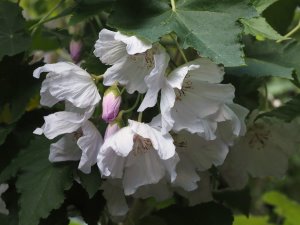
(139, 155)
(67, 82)
(132, 60)
(263, 152)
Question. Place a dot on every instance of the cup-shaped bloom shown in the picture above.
(67, 82)
(81, 140)
(75, 50)
(3, 209)
(131, 59)
(139, 155)
(263, 151)
(193, 99)
(111, 104)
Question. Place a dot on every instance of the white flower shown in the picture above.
(132, 59)
(194, 100)
(114, 195)
(3, 209)
(196, 154)
(67, 82)
(160, 191)
(262, 152)
(203, 192)
(79, 132)
(139, 154)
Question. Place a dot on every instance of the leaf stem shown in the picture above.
(134, 105)
(294, 30)
(179, 48)
(173, 5)
(44, 18)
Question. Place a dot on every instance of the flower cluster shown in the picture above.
(196, 122)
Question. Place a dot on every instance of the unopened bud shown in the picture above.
(111, 104)
(75, 50)
(111, 129)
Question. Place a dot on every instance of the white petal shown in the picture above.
(133, 44)
(90, 143)
(207, 71)
(142, 169)
(113, 193)
(156, 79)
(160, 191)
(61, 123)
(130, 72)
(167, 102)
(110, 164)
(65, 149)
(187, 177)
(67, 81)
(202, 194)
(108, 49)
(121, 142)
(176, 77)
(162, 143)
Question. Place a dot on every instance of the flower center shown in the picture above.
(259, 135)
(141, 145)
(187, 84)
(146, 56)
(77, 134)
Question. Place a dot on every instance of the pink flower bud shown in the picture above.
(75, 50)
(111, 104)
(111, 129)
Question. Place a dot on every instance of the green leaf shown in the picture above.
(251, 220)
(17, 87)
(205, 214)
(283, 54)
(4, 131)
(208, 26)
(261, 68)
(259, 27)
(284, 8)
(41, 185)
(261, 5)
(284, 207)
(286, 112)
(90, 182)
(13, 36)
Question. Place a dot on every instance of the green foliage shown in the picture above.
(41, 184)
(90, 182)
(208, 26)
(13, 36)
(284, 207)
(252, 220)
(261, 5)
(259, 27)
(287, 112)
(260, 68)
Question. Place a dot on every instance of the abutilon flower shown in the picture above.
(75, 50)
(194, 100)
(67, 82)
(3, 209)
(196, 154)
(132, 59)
(139, 155)
(111, 104)
(81, 141)
(262, 152)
